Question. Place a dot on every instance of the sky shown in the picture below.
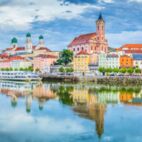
(59, 21)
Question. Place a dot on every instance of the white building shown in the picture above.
(137, 60)
(109, 60)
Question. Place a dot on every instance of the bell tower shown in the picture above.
(29, 43)
(14, 42)
(100, 31)
(100, 23)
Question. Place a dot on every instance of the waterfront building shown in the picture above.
(43, 62)
(15, 62)
(110, 60)
(81, 62)
(137, 60)
(130, 49)
(22, 57)
(126, 61)
(92, 42)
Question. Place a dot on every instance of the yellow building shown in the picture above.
(81, 62)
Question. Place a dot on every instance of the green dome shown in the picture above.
(28, 35)
(14, 40)
(41, 37)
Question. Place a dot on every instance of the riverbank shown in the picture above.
(108, 80)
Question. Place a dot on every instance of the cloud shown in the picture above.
(118, 39)
(19, 15)
(135, 1)
(106, 1)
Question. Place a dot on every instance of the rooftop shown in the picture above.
(82, 39)
(83, 52)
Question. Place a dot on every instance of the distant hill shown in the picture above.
(111, 49)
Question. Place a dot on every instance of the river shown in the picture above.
(55, 112)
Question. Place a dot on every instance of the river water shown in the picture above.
(55, 112)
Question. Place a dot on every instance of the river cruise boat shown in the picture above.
(19, 76)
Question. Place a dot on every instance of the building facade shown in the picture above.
(126, 61)
(81, 62)
(109, 60)
(92, 42)
(43, 62)
(137, 60)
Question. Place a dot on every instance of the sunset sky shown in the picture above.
(59, 21)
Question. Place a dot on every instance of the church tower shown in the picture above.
(100, 31)
(41, 42)
(29, 46)
(14, 42)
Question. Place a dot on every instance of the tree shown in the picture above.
(61, 70)
(65, 58)
(101, 69)
(69, 70)
(137, 70)
(30, 68)
(109, 70)
(116, 70)
(130, 70)
(122, 70)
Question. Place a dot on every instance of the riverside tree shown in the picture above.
(66, 57)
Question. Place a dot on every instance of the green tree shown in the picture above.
(108, 70)
(122, 70)
(66, 57)
(116, 70)
(101, 69)
(137, 70)
(130, 70)
(69, 70)
(61, 69)
(30, 68)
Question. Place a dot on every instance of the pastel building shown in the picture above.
(109, 60)
(92, 42)
(126, 61)
(81, 62)
(44, 62)
(23, 57)
(137, 60)
(15, 62)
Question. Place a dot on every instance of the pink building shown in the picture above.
(5, 64)
(43, 62)
(92, 42)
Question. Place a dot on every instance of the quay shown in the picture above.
(108, 80)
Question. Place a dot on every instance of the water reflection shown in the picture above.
(86, 101)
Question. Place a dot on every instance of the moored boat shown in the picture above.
(19, 76)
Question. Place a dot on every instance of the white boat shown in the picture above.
(19, 76)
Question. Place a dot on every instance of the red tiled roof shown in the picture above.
(133, 45)
(44, 48)
(82, 39)
(16, 58)
(129, 46)
(83, 52)
(4, 55)
(20, 48)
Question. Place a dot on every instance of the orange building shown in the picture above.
(126, 61)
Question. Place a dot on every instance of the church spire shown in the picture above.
(100, 18)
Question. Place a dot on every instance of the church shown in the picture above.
(92, 42)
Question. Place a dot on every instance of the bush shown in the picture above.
(61, 69)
